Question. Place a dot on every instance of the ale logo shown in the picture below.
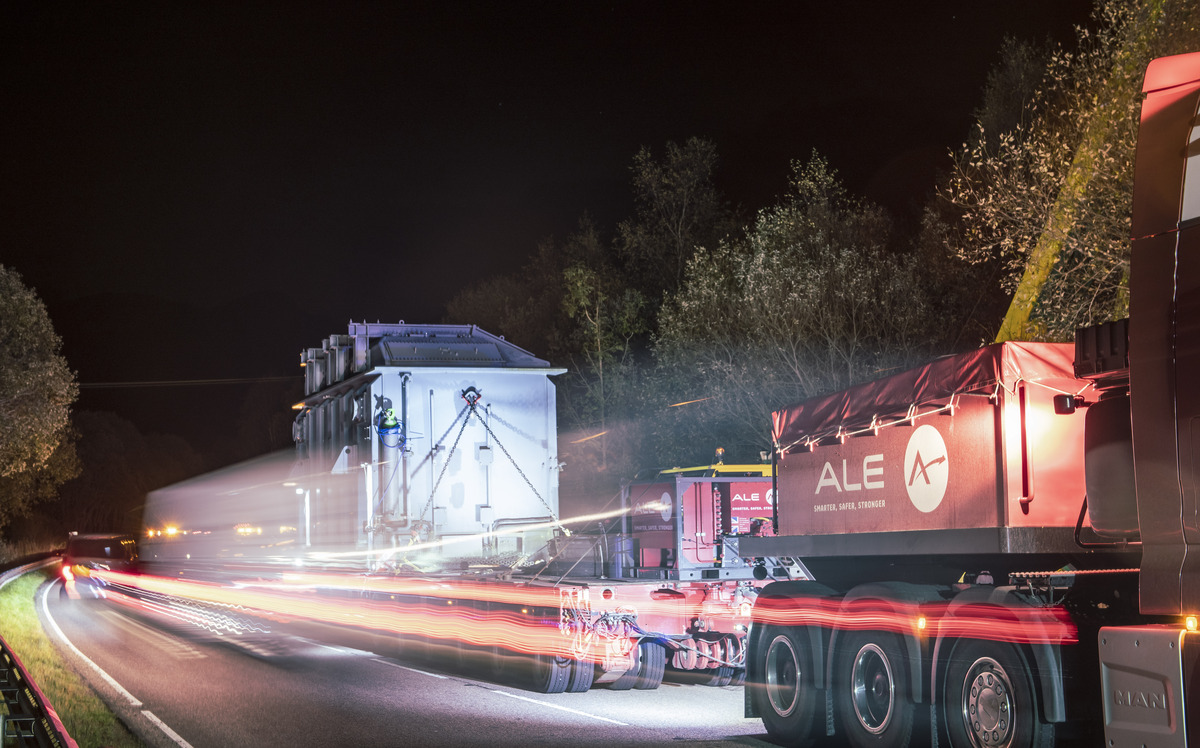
(665, 503)
(926, 468)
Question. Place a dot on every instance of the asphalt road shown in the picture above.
(176, 685)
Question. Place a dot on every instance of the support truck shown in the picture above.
(999, 544)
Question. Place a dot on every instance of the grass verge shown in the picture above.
(84, 715)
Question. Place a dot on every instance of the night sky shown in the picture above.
(201, 190)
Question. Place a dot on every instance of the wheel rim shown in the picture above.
(874, 692)
(987, 705)
(782, 676)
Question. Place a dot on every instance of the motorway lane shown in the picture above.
(287, 689)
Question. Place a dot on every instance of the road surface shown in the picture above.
(177, 685)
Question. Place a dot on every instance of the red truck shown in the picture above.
(999, 543)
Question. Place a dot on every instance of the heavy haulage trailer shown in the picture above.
(1001, 542)
(422, 502)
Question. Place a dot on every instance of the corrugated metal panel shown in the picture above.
(385, 344)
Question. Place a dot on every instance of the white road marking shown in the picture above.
(413, 669)
(166, 730)
(559, 707)
(133, 700)
(339, 650)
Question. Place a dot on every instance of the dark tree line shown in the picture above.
(64, 470)
(687, 323)
(684, 327)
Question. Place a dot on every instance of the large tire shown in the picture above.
(499, 663)
(872, 696)
(463, 654)
(549, 673)
(653, 658)
(718, 677)
(782, 685)
(583, 672)
(727, 649)
(625, 681)
(990, 700)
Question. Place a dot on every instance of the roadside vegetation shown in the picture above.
(686, 324)
(84, 715)
(684, 327)
(12, 551)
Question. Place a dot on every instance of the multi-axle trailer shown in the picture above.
(422, 502)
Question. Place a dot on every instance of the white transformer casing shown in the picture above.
(458, 476)
(466, 460)
(471, 448)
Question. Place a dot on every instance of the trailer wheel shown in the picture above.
(871, 696)
(583, 672)
(653, 659)
(782, 687)
(499, 663)
(730, 650)
(990, 700)
(625, 680)
(464, 654)
(549, 673)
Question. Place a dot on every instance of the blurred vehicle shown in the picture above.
(85, 553)
(423, 495)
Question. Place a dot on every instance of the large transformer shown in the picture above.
(421, 504)
(446, 431)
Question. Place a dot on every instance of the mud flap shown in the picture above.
(1148, 680)
(747, 701)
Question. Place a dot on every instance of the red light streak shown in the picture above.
(1050, 625)
(537, 619)
(600, 623)
(425, 612)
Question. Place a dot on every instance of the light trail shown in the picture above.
(529, 623)
(385, 553)
(1050, 625)
(589, 438)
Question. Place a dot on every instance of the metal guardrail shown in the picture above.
(29, 720)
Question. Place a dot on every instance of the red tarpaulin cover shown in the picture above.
(981, 370)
